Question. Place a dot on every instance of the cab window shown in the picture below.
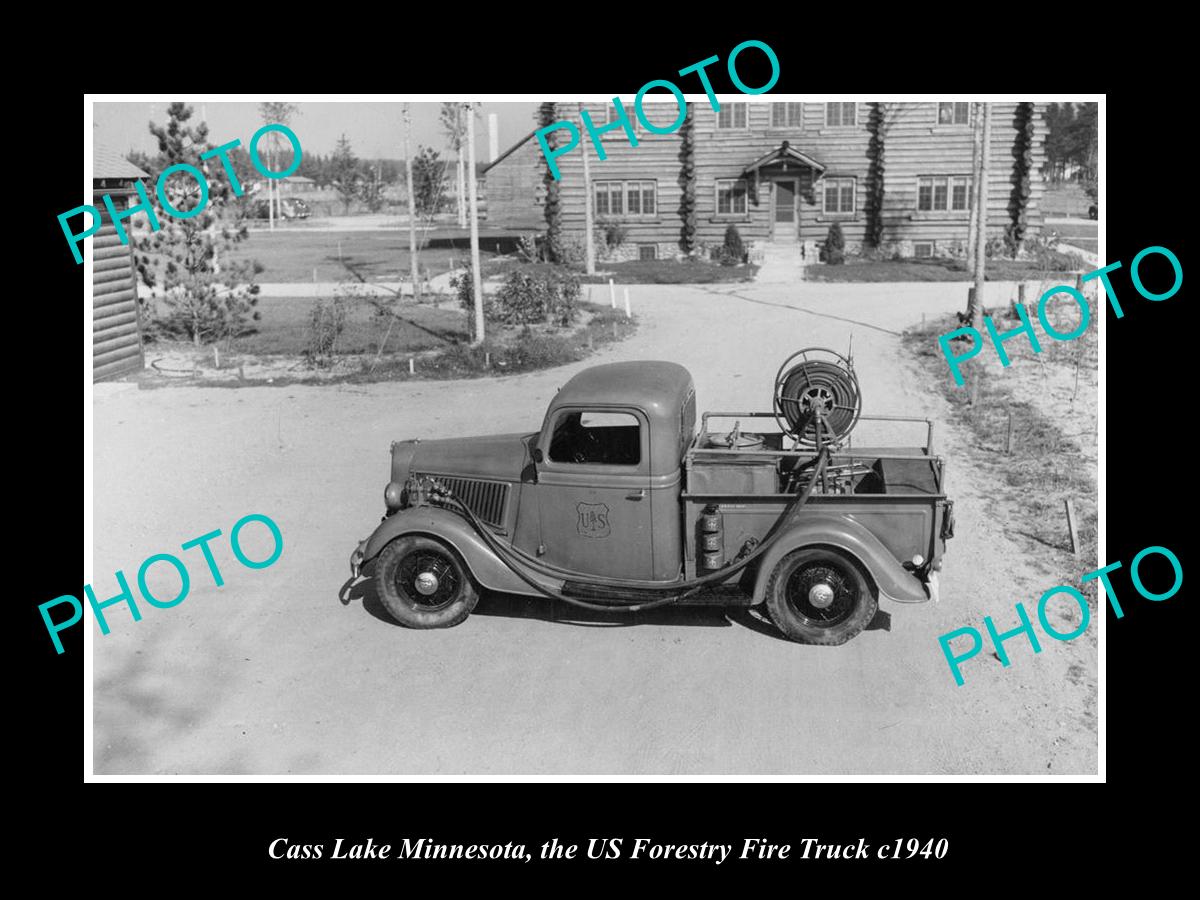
(605, 438)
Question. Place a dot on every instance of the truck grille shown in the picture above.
(484, 498)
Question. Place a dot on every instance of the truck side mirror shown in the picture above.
(538, 455)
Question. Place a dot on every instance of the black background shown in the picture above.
(217, 836)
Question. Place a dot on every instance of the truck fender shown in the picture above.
(455, 531)
(844, 533)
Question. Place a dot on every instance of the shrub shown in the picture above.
(614, 232)
(527, 248)
(463, 285)
(835, 245)
(733, 251)
(535, 294)
(572, 250)
(1044, 252)
(326, 322)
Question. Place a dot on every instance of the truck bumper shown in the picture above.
(356, 558)
(932, 587)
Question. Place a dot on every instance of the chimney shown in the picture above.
(493, 137)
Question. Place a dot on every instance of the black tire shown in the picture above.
(851, 609)
(453, 593)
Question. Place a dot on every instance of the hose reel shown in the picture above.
(817, 400)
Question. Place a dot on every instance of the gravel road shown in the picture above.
(273, 673)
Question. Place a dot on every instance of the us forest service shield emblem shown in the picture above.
(593, 520)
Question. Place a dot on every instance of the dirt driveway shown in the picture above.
(273, 673)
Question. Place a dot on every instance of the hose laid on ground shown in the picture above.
(684, 589)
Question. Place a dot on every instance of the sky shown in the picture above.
(375, 129)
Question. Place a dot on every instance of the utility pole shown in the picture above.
(462, 197)
(976, 306)
(477, 280)
(588, 200)
(271, 188)
(412, 205)
(976, 147)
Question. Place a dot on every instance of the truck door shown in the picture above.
(594, 493)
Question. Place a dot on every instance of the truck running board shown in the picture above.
(714, 595)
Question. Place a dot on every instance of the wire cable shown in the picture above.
(508, 556)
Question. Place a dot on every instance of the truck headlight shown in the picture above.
(393, 496)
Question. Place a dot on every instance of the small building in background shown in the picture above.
(516, 193)
(116, 317)
(291, 186)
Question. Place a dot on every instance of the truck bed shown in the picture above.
(868, 470)
(745, 463)
(896, 492)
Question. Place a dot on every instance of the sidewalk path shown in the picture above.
(781, 265)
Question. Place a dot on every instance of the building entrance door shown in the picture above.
(785, 210)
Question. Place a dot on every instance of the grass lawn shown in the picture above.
(436, 338)
(289, 257)
(1079, 234)
(929, 270)
(284, 328)
(1044, 465)
(668, 271)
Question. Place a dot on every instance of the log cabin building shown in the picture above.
(784, 172)
(116, 315)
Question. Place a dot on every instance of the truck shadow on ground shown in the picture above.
(513, 606)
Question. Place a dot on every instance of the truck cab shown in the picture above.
(607, 473)
(618, 497)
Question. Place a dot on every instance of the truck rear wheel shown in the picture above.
(820, 596)
(423, 583)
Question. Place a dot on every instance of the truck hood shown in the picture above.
(499, 456)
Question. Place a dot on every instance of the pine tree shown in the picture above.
(208, 296)
(875, 180)
(1018, 204)
(687, 182)
(429, 182)
(344, 172)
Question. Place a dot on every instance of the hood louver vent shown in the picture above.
(484, 498)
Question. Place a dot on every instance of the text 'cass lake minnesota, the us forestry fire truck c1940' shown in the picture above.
(618, 504)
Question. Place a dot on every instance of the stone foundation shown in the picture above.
(631, 250)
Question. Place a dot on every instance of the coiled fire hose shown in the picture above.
(512, 558)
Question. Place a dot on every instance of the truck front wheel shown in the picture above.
(819, 595)
(423, 583)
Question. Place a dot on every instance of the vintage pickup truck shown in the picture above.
(619, 503)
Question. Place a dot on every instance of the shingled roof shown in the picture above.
(111, 164)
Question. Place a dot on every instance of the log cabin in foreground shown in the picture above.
(116, 317)
(896, 176)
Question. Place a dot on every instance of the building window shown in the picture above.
(629, 199)
(732, 115)
(731, 197)
(610, 116)
(954, 113)
(944, 193)
(923, 249)
(839, 196)
(837, 114)
(647, 251)
(786, 115)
